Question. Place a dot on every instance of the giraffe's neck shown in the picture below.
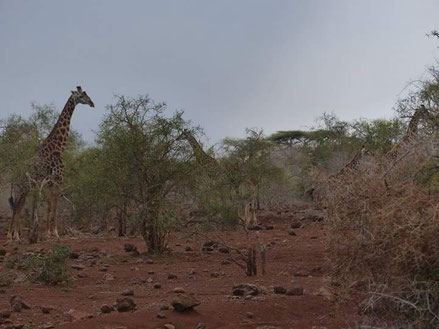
(198, 150)
(55, 142)
(412, 129)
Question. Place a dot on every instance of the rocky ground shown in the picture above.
(113, 286)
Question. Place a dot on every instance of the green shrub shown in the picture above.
(48, 268)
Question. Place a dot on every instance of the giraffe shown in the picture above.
(47, 168)
(211, 165)
(354, 163)
(411, 133)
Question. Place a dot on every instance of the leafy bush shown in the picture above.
(48, 268)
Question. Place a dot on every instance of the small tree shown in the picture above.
(144, 161)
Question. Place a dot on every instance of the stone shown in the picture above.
(209, 243)
(224, 250)
(2, 252)
(78, 267)
(246, 289)
(150, 272)
(249, 315)
(313, 216)
(164, 307)
(302, 273)
(94, 230)
(172, 276)
(125, 304)
(201, 326)
(255, 228)
(184, 302)
(168, 326)
(296, 224)
(295, 290)
(188, 248)
(127, 292)
(161, 315)
(291, 232)
(76, 315)
(279, 290)
(106, 309)
(157, 286)
(17, 304)
(269, 227)
(149, 261)
(5, 314)
(74, 255)
(226, 262)
(108, 277)
(81, 275)
(179, 290)
(129, 247)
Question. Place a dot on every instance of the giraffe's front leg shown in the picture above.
(54, 197)
(48, 214)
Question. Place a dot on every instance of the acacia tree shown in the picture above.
(144, 161)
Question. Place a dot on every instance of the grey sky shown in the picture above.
(229, 64)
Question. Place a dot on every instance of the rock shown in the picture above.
(157, 286)
(17, 304)
(209, 243)
(226, 262)
(108, 277)
(2, 252)
(295, 290)
(191, 271)
(161, 315)
(46, 309)
(188, 248)
(255, 228)
(325, 293)
(150, 272)
(106, 309)
(201, 326)
(249, 315)
(172, 276)
(224, 250)
(127, 292)
(129, 247)
(164, 307)
(76, 315)
(125, 304)
(179, 290)
(279, 290)
(5, 314)
(269, 227)
(103, 269)
(81, 275)
(206, 249)
(78, 267)
(149, 261)
(296, 224)
(184, 302)
(313, 215)
(168, 326)
(302, 273)
(246, 289)
(291, 232)
(74, 255)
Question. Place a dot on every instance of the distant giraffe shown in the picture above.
(48, 167)
(412, 131)
(210, 164)
(354, 163)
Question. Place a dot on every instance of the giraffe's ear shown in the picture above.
(79, 88)
(73, 92)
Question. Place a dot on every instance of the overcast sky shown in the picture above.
(229, 64)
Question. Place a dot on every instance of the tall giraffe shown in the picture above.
(210, 164)
(354, 163)
(411, 133)
(48, 167)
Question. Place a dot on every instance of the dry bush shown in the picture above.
(384, 234)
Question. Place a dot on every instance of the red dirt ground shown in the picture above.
(289, 255)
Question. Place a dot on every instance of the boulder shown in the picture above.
(125, 304)
(184, 302)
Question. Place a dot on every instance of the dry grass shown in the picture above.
(385, 233)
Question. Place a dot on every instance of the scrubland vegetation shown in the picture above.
(140, 177)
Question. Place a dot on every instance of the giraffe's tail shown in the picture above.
(11, 199)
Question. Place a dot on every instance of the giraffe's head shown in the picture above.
(81, 97)
(365, 152)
